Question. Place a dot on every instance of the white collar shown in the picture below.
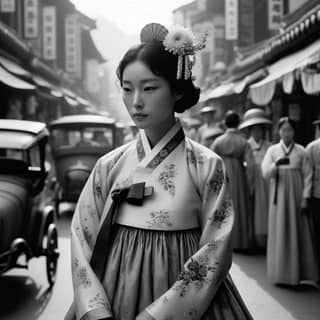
(162, 142)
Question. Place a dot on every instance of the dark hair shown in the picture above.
(284, 120)
(162, 64)
(232, 119)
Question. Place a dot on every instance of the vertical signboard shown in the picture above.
(49, 33)
(275, 13)
(73, 45)
(232, 14)
(246, 23)
(31, 19)
(92, 76)
(219, 40)
(8, 6)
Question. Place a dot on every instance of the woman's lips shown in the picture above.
(139, 116)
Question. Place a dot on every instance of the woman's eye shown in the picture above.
(126, 89)
(150, 88)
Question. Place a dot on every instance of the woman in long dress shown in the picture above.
(151, 230)
(255, 121)
(238, 158)
(290, 252)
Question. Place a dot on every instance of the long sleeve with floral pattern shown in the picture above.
(90, 299)
(198, 283)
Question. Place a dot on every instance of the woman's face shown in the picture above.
(147, 97)
(257, 132)
(286, 133)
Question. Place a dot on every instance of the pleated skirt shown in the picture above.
(260, 208)
(239, 191)
(291, 256)
(144, 264)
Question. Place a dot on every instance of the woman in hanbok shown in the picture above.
(238, 158)
(313, 151)
(290, 251)
(255, 121)
(151, 230)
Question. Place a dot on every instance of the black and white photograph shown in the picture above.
(159, 159)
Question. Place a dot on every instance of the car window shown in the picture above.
(34, 156)
(89, 136)
(13, 154)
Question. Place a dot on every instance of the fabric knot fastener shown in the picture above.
(134, 195)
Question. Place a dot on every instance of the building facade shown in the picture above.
(62, 51)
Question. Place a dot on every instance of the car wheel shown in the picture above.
(51, 253)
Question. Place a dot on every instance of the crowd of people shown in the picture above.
(275, 189)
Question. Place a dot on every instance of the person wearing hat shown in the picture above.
(210, 129)
(291, 256)
(238, 157)
(255, 121)
(313, 151)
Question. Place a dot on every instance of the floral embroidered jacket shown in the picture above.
(190, 191)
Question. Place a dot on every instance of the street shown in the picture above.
(24, 294)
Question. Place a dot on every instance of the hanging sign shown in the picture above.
(31, 19)
(8, 6)
(275, 13)
(232, 17)
(72, 45)
(49, 33)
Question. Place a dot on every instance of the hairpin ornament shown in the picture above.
(178, 41)
(182, 42)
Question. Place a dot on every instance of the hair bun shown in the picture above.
(153, 32)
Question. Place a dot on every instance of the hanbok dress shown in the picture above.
(238, 158)
(260, 194)
(169, 256)
(290, 251)
(313, 151)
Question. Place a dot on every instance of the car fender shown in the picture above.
(46, 217)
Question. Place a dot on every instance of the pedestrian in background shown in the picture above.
(291, 256)
(238, 157)
(313, 151)
(210, 128)
(255, 121)
(163, 249)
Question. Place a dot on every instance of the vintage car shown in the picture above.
(27, 221)
(77, 141)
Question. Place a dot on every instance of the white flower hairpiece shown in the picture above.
(181, 41)
(178, 40)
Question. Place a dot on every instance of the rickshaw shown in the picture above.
(27, 220)
(77, 141)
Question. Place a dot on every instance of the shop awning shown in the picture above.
(42, 82)
(262, 92)
(56, 93)
(14, 67)
(12, 81)
(83, 101)
(224, 89)
(240, 85)
(72, 102)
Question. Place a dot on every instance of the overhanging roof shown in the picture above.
(14, 82)
(262, 92)
(14, 67)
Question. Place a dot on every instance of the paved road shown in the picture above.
(24, 295)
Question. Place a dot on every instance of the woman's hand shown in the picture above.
(273, 169)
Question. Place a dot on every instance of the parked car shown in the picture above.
(27, 221)
(77, 141)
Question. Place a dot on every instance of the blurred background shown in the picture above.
(59, 58)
